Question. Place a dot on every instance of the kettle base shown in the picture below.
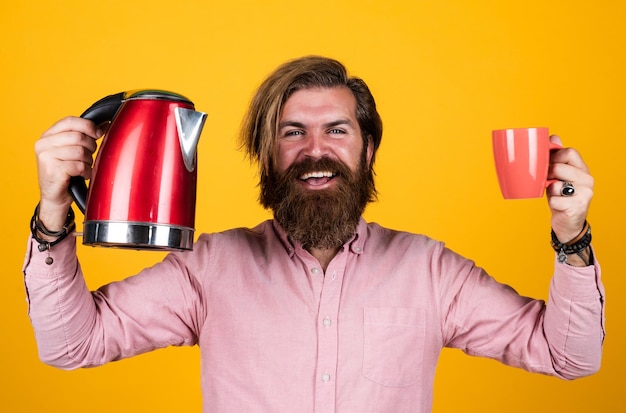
(137, 235)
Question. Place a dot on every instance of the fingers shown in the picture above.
(567, 156)
(76, 124)
(70, 131)
(68, 160)
(64, 150)
(567, 165)
(556, 139)
(566, 172)
(574, 205)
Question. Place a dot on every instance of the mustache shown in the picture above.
(297, 169)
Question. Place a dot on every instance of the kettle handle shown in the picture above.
(100, 112)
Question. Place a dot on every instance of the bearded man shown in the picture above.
(318, 199)
(315, 310)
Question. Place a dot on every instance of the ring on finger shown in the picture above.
(567, 189)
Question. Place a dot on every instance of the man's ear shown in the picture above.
(370, 150)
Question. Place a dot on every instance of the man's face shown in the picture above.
(318, 186)
(317, 123)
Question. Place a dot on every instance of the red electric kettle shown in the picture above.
(142, 192)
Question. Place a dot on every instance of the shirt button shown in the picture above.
(315, 270)
(327, 322)
(325, 377)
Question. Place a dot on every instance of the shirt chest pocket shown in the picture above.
(393, 349)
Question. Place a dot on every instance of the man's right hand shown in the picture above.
(63, 151)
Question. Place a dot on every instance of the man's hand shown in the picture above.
(569, 212)
(63, 151)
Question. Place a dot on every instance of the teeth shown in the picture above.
(317, 174)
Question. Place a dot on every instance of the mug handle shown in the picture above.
(553, 147)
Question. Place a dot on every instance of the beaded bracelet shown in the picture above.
(36, 226)
(575, 246)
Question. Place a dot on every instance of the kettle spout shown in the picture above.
(189, 123)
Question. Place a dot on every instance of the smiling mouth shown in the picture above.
(317, 178)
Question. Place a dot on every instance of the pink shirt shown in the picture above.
(277, 334)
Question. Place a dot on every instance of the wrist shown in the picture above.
(577, 251)
(47, 237)
(52, 215)
(583, 258)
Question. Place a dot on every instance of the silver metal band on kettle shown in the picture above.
(137, 235)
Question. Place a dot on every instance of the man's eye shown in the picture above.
(293, 133)
(336, 131)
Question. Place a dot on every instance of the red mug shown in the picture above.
(522, 158)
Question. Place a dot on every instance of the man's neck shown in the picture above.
(324, 255)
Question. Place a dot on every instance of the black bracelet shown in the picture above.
(582, 241)
(37, 226)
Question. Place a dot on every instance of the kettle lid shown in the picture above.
(156, 94)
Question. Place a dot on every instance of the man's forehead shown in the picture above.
(337, 101)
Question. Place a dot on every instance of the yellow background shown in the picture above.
(444, 73)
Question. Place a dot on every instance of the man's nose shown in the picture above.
(316, 145)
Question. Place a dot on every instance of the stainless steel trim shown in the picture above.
(137, 235)
(156, 94)
(189, 124)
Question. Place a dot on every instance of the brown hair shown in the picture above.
(260, 125)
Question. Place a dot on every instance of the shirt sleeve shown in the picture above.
(75, 327)
(561, 337)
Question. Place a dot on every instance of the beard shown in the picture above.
(325, 218)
